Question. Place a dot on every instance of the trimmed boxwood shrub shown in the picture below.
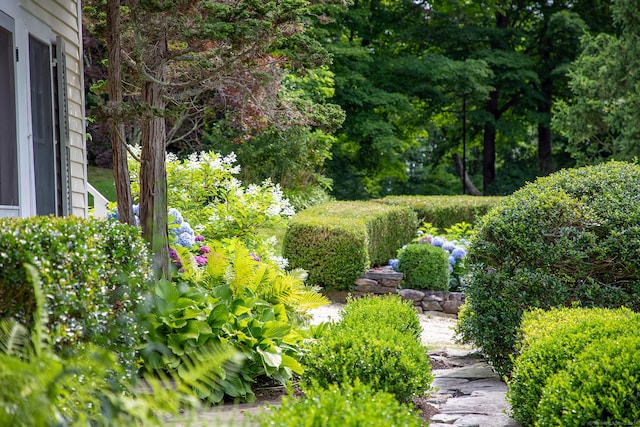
(389, 311)
(381, 357)
(339, 241)
(571, 237)
(93, 273)
(444, 211)
(599, 387)
(424, 267)
(550, 340)
(340, 406)
(377, 354)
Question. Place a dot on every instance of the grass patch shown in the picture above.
(102, 180)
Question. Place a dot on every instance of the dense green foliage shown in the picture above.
(390, 310)
(344, 405)
(93, 272)
(600, 119)
(599, 387)
(39, 387)
(572, 237)
(336, 242)
(220, 205)
(424, 267)
(237, 302)
(445, 211)
(387, 357)
(550, 341)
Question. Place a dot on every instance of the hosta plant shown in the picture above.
(236, 301)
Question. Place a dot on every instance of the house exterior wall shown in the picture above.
(45, 20)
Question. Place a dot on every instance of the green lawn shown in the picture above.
(102, 180)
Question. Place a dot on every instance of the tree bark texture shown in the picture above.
(545, 161)
(153, 176)
(489, 143)
(116, 127)
(469, 186)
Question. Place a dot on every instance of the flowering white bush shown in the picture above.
(204, 189)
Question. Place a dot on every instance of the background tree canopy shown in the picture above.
(379, 97)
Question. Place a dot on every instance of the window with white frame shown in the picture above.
(9, 193)
(34, 166)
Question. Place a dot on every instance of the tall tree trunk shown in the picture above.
(114, 72)
(545, 161)
(469, 186)
(153, 176)
(489, 143)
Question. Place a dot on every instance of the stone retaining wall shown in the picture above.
(383, 280)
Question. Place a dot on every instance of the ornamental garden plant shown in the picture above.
(569, 238)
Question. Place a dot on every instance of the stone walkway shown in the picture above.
(469, 393)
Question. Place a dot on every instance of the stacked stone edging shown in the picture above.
(383, 280)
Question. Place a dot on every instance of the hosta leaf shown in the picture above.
(167, 290)
(218, 316)
(293, 338)
(190, 330)
(293, 364)
(274, 329)
(175, 342)
(273, 360)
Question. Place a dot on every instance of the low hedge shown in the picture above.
(93, 273)
(571, 237)
(377, 354)
(444, 211)
(337, 242)
(340, 406)
(549, 341)
(424, 267)
(599, 387)
(389, 311)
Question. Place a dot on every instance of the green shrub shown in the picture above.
(571, 237)
(340, 406)
(40, 388)
(424, 267)
(384, 311)
(379, 355)
(550, 340)
(238, 302)
(93, 273)
(599, 387)
(444, 211)
(339, 241)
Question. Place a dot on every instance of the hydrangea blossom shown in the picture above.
(186, 240)
(437, 241)
(459, 252)
(448, 246)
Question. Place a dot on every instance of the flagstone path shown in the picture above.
(469, 393)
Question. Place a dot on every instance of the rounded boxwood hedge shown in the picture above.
(384, 311)
(599, 387)
(424, 267)
(340, 406)
(569, 238)
(550, 341)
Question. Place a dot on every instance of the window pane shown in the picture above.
(8, 139)
(42, 123)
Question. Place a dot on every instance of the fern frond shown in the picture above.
(206, 369)
(14, 338)
(39, 333)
